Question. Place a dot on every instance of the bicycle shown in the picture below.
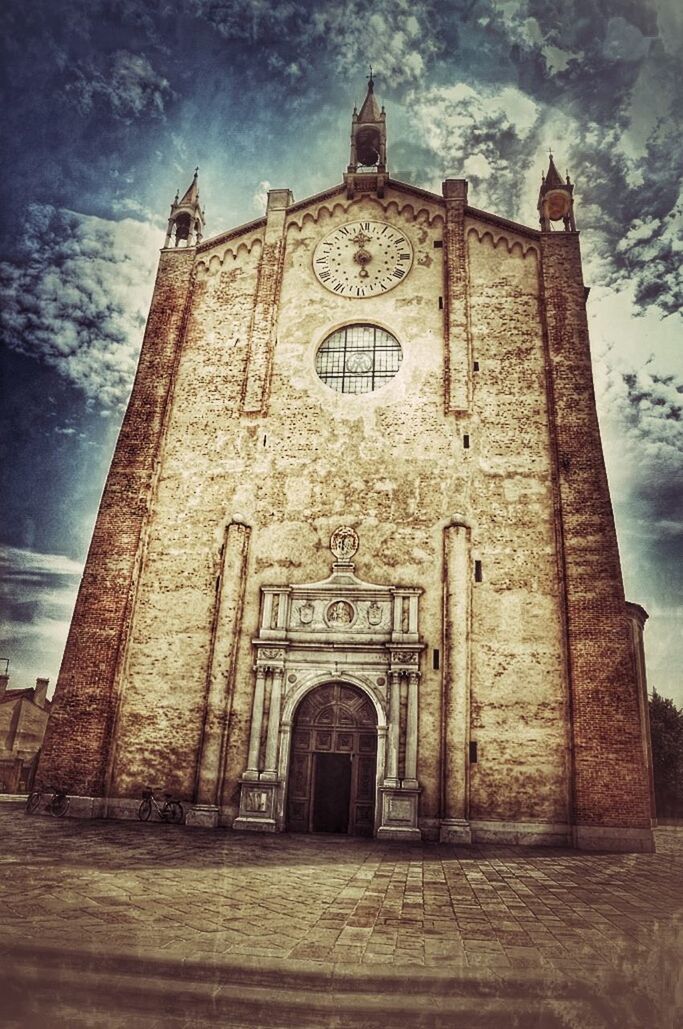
(171, 811)
(57, 805)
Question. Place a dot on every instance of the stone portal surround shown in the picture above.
(338, 630)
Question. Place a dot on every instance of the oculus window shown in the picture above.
(358, 359)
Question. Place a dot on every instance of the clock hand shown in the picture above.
(362, 257)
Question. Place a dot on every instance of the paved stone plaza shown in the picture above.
(112, 923)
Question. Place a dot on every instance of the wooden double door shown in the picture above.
(333, 764)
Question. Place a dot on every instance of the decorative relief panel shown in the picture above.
(255, 800)
(404, 657)
(344, 543)
(400, 809)
(340, 613)
(271, 654)
(347, 612)
(374, 613)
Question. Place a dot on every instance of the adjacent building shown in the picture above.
(24, 716)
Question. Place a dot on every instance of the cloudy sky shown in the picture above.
(109, 104)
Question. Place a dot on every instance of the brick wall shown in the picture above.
(76, 748)
(610, 780)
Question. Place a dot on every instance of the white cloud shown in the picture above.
(477, 166)
(396, 39)
(78, 295)
(260, 197)
(37, 594)
(481, 134)
(22, 561)
(639, 392)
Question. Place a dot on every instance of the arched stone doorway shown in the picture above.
(333, 765)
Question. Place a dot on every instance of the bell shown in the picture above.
(367, 147)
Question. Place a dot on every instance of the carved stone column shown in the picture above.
(399, 799)
(394, 729)
(252, 771)
(260, 790)
(272, 739)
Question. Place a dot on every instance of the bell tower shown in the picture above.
(556, 200)
(186, 220)
(367, 169)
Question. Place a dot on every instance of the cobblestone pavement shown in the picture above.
(356, 907)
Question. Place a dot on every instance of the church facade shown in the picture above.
(355, 567)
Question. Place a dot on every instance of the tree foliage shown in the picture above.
(666, 727)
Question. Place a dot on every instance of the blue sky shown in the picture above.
(108, 106)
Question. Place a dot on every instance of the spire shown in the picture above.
(191, 196)
(368, 145)
(370, 111)
(553, 179)
(556, 199)
(186, 221)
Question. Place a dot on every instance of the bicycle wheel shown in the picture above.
(32, 803)
(59, 805)
(145, 810)
(173, 811)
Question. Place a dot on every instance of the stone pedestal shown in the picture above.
(398, 814)
(202, 816)
(257, 806)
(455, 830)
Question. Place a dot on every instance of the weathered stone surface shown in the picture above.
(229, 424)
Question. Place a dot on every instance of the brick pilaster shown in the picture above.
(264, 315)
(458, 385)
(610, 778)
(76, 747)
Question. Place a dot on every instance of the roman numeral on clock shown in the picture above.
(398, 273)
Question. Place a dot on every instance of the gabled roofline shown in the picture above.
(325, 195)
(239, 230)
(404, 187)
(407, 187)
(24, 693)
(504, 223)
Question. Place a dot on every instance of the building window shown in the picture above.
(358, 359)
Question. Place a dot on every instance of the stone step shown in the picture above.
(44, 986)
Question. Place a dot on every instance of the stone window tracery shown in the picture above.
(358, 359)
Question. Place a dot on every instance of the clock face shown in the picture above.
(362, 259)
